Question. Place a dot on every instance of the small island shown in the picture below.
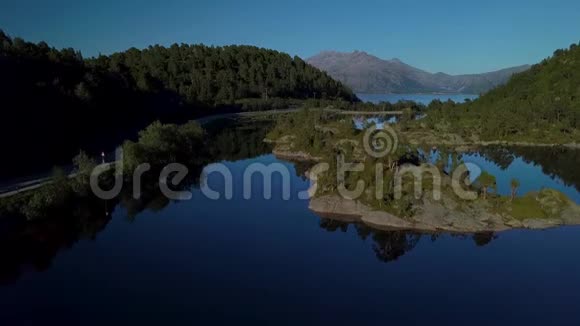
(326, 138)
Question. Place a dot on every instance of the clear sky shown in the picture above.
(435, 35)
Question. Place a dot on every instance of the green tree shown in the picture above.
(82, 92)
(486, 181)
(515, 184)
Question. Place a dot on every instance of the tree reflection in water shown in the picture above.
(389, 246)
(29, 246)
(556, 162)
(32, 246)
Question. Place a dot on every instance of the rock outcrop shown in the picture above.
(441, 215)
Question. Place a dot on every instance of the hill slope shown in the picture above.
(365, 73)
(539, 105)
(55, 102)
(221, 75)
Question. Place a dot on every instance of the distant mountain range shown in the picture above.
(365, 73)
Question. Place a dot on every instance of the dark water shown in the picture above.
(273, 261)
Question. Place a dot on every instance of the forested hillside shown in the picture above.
(54, 102)
(539, 105)
(222, 75)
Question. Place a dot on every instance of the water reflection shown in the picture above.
(28, 247)
(556, 162)
(233, 140)
(31, 246)
(535, 167)
(362, 122)
(389, 246)
(228, 140)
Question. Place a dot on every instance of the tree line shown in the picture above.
(538, 105)
(55, 102)
(222, 75)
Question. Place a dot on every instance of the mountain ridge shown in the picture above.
(366, 73)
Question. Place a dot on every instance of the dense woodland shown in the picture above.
(55, 102)
(539, 105)
(222, 75)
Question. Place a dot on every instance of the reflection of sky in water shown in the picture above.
(360, 123)
(531, 176)
(266, 257)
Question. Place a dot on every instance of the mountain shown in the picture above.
(365, 73)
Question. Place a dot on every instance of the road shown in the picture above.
(16, 188)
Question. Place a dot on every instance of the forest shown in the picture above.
(55, 102)
(221, 75)
(540, 105)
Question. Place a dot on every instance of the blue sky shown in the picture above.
(445, 35)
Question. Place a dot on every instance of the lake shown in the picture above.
(273, 261)
(419, 98)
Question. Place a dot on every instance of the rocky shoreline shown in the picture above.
(430, 139)
(493, 143)
(430, 215)
(435, 216)
(446, 214)
(295, 156)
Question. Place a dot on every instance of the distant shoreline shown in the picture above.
(457, 94)
(450, 220)
(422, 98)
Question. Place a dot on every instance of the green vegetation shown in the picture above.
(324, 137)
(514, 184)
(540, 105)
(222, 75)
(365, 106)
(112, 95)
(60, 195)
(158, 145)
(545, 204)
(161, 144)
(487, 182)
(67, 103)
(311, 130)
(526, 207)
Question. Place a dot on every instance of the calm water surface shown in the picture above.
(535, 168)
(274, 261)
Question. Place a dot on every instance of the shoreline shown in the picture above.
(429, 138)
(496, 143)
(444, 215)
(432, 218)
(295, 156)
